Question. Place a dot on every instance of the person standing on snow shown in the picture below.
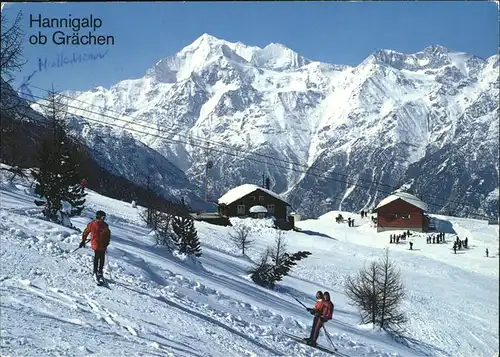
(317, 312)
(326, 314)
(100, 237)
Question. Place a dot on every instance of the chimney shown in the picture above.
(263, 184)
(268, 183)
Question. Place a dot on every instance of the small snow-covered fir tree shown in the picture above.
(191, 241)
(275, 263)
(186, 239)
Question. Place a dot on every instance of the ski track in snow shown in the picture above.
(158, 305)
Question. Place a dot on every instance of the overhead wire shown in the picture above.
(235, 155)
(191, 137)
(171, 140)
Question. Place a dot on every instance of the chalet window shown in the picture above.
(405, 216)
(261, 215)
(252, 198)
(261, 198)
(270, 209)
(240, 209)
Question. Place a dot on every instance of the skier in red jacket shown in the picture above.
(317, 312)
(324, 314)
(100, 237)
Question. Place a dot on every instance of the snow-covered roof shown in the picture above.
(258, 209)
(243, 190)
(405, 196)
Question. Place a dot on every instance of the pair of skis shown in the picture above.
(322, 348)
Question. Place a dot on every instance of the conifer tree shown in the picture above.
(74, 192)
(275, 263)
(58, 179)
(191, 241)
(186, 239)
(48, 185)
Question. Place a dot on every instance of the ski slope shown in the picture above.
(160, 304)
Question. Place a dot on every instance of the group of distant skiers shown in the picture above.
(439, 238)
(395, 238)
(340, 219)
(350, 221)
(460, 243)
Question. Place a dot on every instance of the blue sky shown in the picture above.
(334, 32)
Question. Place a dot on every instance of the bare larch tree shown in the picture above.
(278, 251)
(392, 293)
(377, 290)
(241, 238)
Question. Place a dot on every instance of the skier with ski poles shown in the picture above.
(325, 314)
(317, 312)
(321, 317)
(100, 237)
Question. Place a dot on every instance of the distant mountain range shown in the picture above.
(427, 122)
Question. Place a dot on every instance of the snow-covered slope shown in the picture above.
(426, 120)
(161, 305)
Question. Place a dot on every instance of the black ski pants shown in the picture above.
(99, 261)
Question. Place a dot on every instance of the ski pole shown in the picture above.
(299, 302)
(329, 339)
(88, 240)
(109, 266)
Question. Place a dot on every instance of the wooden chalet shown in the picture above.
(402, 211)
(250, 200)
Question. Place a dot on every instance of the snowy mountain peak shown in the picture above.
(494, 61)
(437, 49)
(432, 57)
(208, 49)
(203, 51)
(205, 38)
(276, 56)
(207, 43)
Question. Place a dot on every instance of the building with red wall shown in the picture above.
(402, 211)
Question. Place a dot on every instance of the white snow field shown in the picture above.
(163, 305)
